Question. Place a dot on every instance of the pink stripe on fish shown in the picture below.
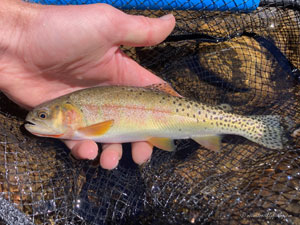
(136, 113)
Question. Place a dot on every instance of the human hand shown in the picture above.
(49, 51)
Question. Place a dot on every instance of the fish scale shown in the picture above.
(157, 114)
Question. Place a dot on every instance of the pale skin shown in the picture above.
(49, 51)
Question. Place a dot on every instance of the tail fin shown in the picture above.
(268, 132)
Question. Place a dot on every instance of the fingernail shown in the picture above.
(166, 17)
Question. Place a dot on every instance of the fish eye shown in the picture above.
(42, 115)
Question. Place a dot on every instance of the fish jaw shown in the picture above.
(42, 131)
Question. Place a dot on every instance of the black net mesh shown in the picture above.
(248, 60)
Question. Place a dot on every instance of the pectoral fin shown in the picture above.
(96, 129)
(166, 144)
(164, 87)
(209, 142)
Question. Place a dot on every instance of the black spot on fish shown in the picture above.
(188, 106)
(176, 110)
(188, 114)
(182, 109)
(179, 104)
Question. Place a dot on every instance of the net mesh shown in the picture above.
(248, 60)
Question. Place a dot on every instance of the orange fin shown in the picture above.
(209, 142)
(166, 144)
(164, 87)
(96, 129)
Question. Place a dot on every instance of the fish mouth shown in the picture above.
(27, 122)
(32, 128)
(29, 125)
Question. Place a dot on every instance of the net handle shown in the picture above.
(220, 5)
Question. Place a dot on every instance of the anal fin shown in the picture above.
(166, 144)
(210, 142)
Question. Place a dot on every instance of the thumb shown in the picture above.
(143, 31)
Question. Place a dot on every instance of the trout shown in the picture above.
(156, 114)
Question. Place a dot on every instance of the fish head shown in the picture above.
(57, 120)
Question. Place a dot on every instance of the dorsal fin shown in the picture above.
(164, 87)
(225, 107)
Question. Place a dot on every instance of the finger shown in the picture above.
(141, 152)
(142, 31)
(86, 149)
(110, 156)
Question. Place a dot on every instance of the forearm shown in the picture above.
(15, 17)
